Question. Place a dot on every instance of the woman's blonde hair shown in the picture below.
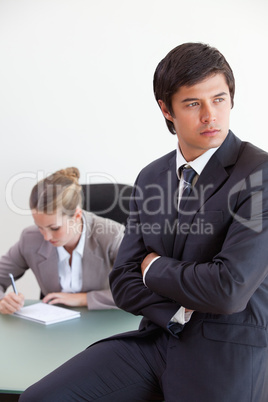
(59, 191)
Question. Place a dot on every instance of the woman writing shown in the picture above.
(70, 251)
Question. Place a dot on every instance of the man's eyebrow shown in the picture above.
(197, 99)
(220, 94)
(189, 100)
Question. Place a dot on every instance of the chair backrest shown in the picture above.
(109, 200)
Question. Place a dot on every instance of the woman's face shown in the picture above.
(59, 229)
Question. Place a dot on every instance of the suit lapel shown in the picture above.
(47, 268)
(211, 179)
(168, 219)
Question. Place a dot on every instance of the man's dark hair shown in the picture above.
(188, 64)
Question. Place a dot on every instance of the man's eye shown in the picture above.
(218, 100)
(55, 229)
(192, 104)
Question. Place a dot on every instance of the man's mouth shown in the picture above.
(210, 132)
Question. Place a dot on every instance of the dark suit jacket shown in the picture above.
(215, 261)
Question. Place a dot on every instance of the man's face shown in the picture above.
(200, 115)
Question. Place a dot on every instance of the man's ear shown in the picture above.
(165, 110)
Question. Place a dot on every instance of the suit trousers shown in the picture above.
(113, 370)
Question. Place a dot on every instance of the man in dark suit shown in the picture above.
(193, 262)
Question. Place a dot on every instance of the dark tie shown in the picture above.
(188, 175)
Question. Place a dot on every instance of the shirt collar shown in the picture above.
(198, 164)
(63, 254)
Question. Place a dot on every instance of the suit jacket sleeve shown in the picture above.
(13, 261)
(226, 282)
(126, 280)
(103, 238)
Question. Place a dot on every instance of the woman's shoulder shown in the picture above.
(93, 218)
(31, 235)
(99, 225)
(31, 231)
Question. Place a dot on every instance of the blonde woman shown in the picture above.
(70, 251)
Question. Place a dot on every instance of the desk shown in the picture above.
(29, 351)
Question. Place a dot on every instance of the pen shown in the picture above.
(13, 284)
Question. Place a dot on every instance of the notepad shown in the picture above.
(46, 313)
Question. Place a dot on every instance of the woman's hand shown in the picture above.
(11, 303)
(69, 299)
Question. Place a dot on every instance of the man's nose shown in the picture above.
(207, 114)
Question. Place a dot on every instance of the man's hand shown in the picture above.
(147, 260)
(69, 299)
(11, 303)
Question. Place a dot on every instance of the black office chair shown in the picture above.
(109, 200)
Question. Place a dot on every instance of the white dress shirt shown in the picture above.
(198, 165)
(71, 276)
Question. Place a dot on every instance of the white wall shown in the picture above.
(76, 87)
